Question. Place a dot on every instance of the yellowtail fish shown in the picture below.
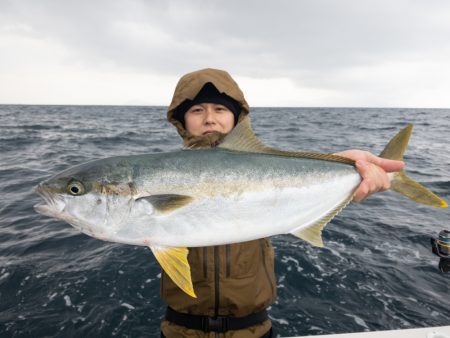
(239, 191)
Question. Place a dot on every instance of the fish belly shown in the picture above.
(251, 215)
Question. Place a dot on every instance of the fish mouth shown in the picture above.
(53, 205)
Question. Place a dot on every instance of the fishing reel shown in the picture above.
(441, 247)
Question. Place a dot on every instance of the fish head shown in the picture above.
(90, 198)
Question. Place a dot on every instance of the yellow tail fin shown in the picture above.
(401, 183)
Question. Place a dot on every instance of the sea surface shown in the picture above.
(376, 272)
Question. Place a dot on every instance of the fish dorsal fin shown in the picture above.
(174, 262)
(313, 234)
(242, 138)
(166, 203)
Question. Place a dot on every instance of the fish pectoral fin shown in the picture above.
(313, 234)
(165, 203)
(174, 262)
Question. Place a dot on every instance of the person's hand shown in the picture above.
(373, 170)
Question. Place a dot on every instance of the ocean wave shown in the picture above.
(376, 253)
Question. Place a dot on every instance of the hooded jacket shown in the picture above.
(230, 280)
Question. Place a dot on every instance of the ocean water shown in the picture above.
(376, 272)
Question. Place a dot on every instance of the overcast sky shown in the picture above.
(380, 53)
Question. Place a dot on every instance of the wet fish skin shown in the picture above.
(118, 195)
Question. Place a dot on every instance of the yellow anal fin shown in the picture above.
(174, 262)
(313, 234)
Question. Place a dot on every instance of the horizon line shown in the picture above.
(251, 107)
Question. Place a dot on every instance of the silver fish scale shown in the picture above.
(193, 166)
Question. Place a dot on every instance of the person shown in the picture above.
(234, 283)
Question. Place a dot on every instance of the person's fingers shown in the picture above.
(384, 163)
(374, 179)
(373, 170)
(361, 193)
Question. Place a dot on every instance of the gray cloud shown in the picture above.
(314, 43)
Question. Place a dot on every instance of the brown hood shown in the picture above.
(189, 86)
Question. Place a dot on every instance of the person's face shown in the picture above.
(205, 118)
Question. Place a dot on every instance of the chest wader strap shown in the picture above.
(215, 324)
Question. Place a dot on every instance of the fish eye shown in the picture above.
(75, 188)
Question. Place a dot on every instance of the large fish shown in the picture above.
(240, 191)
